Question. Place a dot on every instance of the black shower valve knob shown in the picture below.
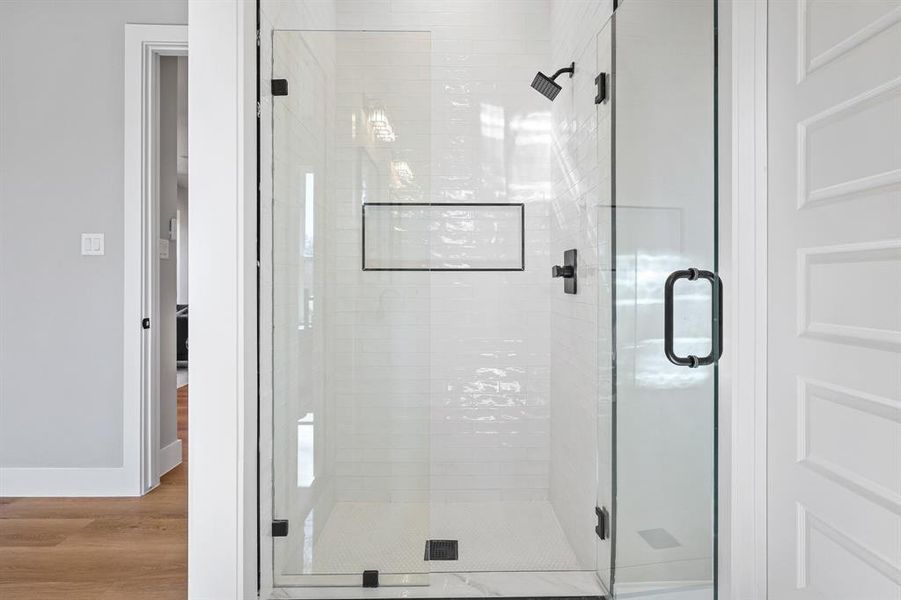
(565, 271)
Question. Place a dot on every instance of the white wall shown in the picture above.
(222, 482)
(61, 174)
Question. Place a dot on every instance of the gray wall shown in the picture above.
(168, 266)
(61, 174)
(182, 293)
(183, 217)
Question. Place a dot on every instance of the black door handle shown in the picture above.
(716, 351)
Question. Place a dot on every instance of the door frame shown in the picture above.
(144, 45)
(743, 380)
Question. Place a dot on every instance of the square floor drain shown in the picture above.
(441, 550)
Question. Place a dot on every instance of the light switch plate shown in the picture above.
(92, 244)
(164, 248)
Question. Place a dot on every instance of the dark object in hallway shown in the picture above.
(181, 333)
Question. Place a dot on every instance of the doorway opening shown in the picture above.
(156, 250)
(172, 289)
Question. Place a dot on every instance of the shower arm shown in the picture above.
(570, 69)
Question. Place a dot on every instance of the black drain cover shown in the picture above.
(441, 550)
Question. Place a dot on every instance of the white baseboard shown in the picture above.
(74, 482)
(170, 457)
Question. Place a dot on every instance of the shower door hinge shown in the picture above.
(259, 109)
(279, 528)
(279, 87)
(601, 81)
(258, 37)
(145, 323)
(603, 526)
(370, 579)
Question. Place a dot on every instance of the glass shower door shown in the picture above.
(351, 307)
(666, 297)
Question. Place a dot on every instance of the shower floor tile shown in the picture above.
(493, 536)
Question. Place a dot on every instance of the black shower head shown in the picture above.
(547, 86)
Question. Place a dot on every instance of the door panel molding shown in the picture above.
(879, 338)
(808, 64)
(834, 258)
(869, 404)
(808, 522)
(809, 195)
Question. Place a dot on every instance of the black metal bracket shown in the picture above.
(603, 526)
(279, 528)
(567, 271)
(279, 87)
(370, 579)
(716, 351)
(145, 323)
(571, 69)
(601, 81)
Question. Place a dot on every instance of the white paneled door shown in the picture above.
(834, 332)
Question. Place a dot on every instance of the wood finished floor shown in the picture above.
(99, 548)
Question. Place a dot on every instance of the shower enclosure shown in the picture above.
(489, 316)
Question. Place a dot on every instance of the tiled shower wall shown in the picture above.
(379, 329)
(489, 334)
(580, 324)
(500, 345)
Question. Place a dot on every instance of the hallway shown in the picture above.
(99, 548)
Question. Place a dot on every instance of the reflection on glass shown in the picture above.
(308, 226)
(491, 121)
(309, 214)
(664, 197)
(308, 542)
(350, 389)
(533, 129)
(380, 126)
(640, 281)
(306, 471)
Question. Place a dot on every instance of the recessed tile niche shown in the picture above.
(443, 237)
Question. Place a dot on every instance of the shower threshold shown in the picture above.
(571, 585)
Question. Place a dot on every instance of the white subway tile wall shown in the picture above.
(580, 324)
(485, 139)
(379, 328)
(443, 236)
